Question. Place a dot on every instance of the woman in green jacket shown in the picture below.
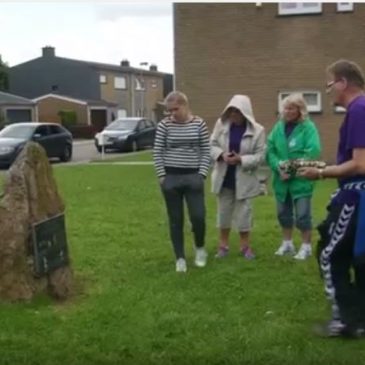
(294, 136)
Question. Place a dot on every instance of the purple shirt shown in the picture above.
(289, 127)
(351, 136)
(235, 136)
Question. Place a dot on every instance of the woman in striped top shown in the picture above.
(182, 159)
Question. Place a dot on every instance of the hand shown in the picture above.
(161, 180)
(310, 173)
(225, 156)
(284, 176)
(233, 158)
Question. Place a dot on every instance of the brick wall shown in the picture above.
(49, 108)
(225, 49)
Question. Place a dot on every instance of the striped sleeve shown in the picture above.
(204, 149)
(159, 149)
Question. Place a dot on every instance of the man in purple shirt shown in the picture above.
(341, 248)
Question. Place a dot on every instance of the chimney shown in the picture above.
(124, 63)
(153, 67)
(48, 51)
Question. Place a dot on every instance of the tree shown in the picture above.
(4, 76)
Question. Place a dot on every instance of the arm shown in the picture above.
(355, 142)
(253, 160)
(215, 149)
(356, 166)
(159, 149)
(204, 149)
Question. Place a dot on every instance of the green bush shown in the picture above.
(68, 117)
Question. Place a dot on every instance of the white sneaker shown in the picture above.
(304, 252)
(285, 248)
(200, 257)
(181, 265)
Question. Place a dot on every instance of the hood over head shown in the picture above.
(243, 104)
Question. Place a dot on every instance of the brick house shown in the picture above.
(265, 50)
(89, 112)
(134, 91)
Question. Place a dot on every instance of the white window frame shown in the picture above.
(311, 108)
(299, 8)
(120, 83)
(102, 79)
(344, 7)
(139, 84)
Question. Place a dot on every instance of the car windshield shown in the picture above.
(17, 131)
(122, 124)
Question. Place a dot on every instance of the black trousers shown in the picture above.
(189, 187)
(343, 273)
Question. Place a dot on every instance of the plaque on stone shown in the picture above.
(50, 245)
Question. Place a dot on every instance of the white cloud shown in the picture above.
(113, 11)
(88, 31)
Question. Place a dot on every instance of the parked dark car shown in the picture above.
(56, 140)
(127, 134)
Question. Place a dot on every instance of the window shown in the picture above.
(154, 84)
(55, 129)
(122, 113)
(343, 7)
(102, 79)
(42, 130)
(139, 84)
(141, 125)
(119, 82)
(312, 98)
(150, 124)
(299, 8)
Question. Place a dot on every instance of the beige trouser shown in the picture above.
(233, 213)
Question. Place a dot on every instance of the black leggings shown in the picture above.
(190, 187)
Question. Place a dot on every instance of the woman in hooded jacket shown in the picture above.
(237, 149)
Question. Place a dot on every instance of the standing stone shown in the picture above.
(30, 196)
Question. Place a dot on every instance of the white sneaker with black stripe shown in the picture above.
(304, 252)
(286, 248)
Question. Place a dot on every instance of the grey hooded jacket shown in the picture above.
(252, 150)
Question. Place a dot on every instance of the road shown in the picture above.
(84, 151)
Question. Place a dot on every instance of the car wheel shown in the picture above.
(67, 154)
(134, 146)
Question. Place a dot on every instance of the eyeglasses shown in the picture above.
(330, 84)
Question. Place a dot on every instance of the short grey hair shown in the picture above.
(297, 100)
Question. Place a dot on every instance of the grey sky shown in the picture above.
(92, 31)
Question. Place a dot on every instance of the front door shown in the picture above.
(99, 119)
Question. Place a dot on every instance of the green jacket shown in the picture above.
(303, 142)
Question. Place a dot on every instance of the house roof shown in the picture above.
(11, 99)
(75, 100)
(102, 66)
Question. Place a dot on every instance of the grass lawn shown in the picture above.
(134, 156)
(132, 308)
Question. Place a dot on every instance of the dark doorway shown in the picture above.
(99, 119)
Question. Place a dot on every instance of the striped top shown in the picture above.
(182, 145)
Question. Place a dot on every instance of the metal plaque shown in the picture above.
(50, 244)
